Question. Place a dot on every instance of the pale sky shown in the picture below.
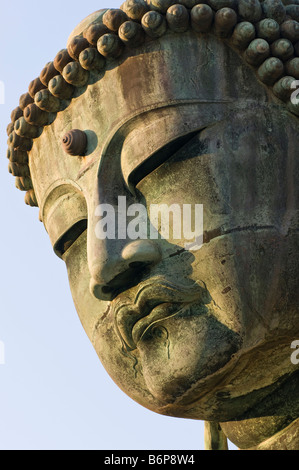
(54, 392)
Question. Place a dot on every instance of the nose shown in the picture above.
(116, 270)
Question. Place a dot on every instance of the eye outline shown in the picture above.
(72, 220)
(158, 158)
(65, 242)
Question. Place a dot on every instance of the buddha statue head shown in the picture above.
(153, 115)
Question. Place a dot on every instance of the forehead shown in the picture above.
(183, 76)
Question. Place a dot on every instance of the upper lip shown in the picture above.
(154, 301)
(162, 311)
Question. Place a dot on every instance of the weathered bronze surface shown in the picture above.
(180, 104)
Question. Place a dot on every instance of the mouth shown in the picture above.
(155, 301)
(161, 312)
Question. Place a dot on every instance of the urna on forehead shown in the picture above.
(196, 39)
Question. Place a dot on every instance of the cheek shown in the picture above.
(124, 367)
(89, 309)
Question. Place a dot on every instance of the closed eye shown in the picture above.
(159, 157)
(69, 238)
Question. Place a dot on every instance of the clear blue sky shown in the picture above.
(54, 392)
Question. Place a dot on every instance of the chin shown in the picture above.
(171, 358)
(177, 352)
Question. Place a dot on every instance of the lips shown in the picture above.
(131, 322)
(161, 312)
(154, 302)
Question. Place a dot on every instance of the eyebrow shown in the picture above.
(163, 150)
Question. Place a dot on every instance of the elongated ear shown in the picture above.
(214, 437)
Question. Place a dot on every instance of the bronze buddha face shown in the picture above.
(184, 332)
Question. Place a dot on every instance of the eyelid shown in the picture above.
(65, 216)
(69, 237)
(158, 158)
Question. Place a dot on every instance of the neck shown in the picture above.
(271, 425)
(286, 439)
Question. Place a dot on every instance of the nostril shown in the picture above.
(101, 292)
(115, 274)
(137, 265)
(141, 251)
(107, 290)
(121, 282)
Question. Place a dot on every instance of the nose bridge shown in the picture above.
(111, 250)
(105, 241)
(114, 259)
